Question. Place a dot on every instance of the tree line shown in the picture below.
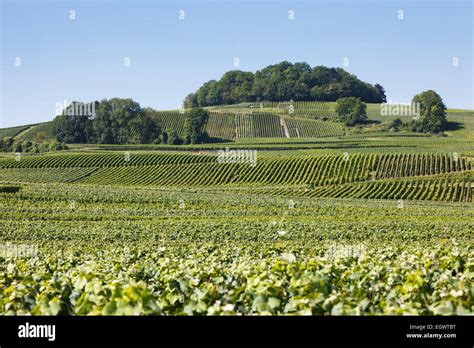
(283, 82)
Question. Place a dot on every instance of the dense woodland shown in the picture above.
(283, 82)
(123, 121)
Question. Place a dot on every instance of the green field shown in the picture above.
(327, 221)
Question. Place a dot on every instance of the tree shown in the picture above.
(164, 137)
(123, 111)
(432, 116)
(195, 122)
(144, 128)
(380, 92)
(190, 101)
(395, 124)
(74, 124)
(174, 138)
(72, 129)
(7, 144)
(351, 110)
(113, 121)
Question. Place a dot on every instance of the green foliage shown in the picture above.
(73, 129)
(387, 176)
(195, 121)
(174, 139)
(283, 82)
(306, 128)
(9, 188)
(9, 144)
(114, 253)
(395, 124)
(351, 110)
(116, 121)
(432, 112)
(144, 129)
(164, 137)
(169, 120)
(381, 93)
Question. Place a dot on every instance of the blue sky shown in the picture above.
(83, 59)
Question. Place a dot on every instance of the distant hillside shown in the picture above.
(37, 132)
(267, 120)
(283, 82)
(13, 131)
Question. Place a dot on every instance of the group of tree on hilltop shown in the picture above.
(283, 82)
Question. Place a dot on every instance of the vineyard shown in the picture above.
(443, 190)
(261, 120)
(298, 218)
(45, 174)
(400, 165)
(12, 131)
(191, 172)
(258, 125)
(315, 110)
(221, 126)
(446, 178)
(100, 160)
(302, 128)
(171, 121)
(118, 251)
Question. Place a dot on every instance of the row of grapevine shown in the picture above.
(442, 190)
(383, 166)
(402, 165)
(221, 125)
(304, 128)
(171, 121)
(315, 171)
(103, 160)
(259, 125)
(244, 126)
(308, 109)
(266, 125)
(312, 109)
(44, 175)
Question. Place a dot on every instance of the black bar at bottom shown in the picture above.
(387, 330)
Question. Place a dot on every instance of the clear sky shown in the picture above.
(84, 58)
